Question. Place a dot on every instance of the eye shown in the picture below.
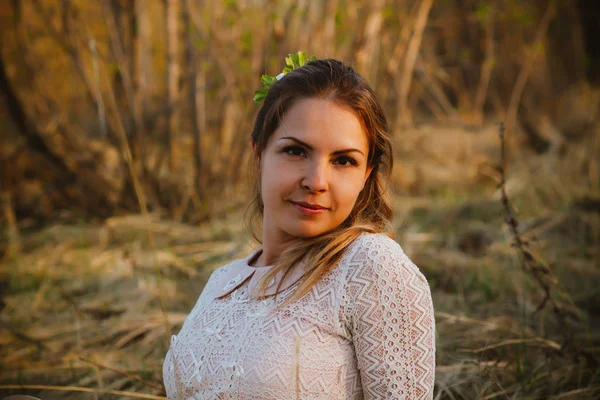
(296, 151)
(346, 161)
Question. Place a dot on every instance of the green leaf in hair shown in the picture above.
(292, 62)
(267, 80)
(260, 94)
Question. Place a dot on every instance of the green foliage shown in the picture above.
(388, 13)
(246, 40)
(113, 68)
(522, 15)
(200, 44)
(339, 18)
(230, 4)
(292, 62)
(25, 282)
(482, 12)
(539, 48)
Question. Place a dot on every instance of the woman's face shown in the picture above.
(312, 170)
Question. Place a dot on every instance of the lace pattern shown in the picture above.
(365, 331)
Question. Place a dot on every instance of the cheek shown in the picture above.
(277, 180)
(349, 189)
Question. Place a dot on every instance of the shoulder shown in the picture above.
(224, 269)
(374, 242)
(219, 276)
(218, 273)
(379, 257)
(388, 313)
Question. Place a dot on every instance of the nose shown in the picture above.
(315, 178)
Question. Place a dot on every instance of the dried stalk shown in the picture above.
(410, 59)
(62, 39)
(84, 389)
(23, 337)
(367, 56)
(535, 267)
(529, 263)
(435, 89)
(12, 230)
(329, 28)
(173, 10)
(99, 100)
(141, 198)
(124, 373)
(517, 92)
(196, 81)
(125, 68)
(486, 68)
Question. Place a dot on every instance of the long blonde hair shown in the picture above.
(334, 81)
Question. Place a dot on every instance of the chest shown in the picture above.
(237, 348)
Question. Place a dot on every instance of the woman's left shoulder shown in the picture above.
(380, 254)
(376, 240)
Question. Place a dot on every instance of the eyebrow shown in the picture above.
(310, 147)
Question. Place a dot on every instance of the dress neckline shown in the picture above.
(241, 270)
(253, 257)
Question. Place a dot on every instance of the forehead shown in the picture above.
(321, 122)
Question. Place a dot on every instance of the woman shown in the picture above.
(330, 307)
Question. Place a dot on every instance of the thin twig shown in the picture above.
(23, 337)
(84, 389)
(513, 224)
(124, 373)
(502, 391)
(576, 392)
(532, 266)
(410, 59)
(522, 78)
(141, 198)
(546, 342)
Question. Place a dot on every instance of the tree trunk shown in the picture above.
(403, 112)
(367, 57)
(142, 61)
(519, 87)
(486, 68)
(93, 186)
(196, 97)
(121, 28)
(173, 8)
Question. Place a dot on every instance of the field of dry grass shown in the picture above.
(92, 306)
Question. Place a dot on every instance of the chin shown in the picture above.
(307, 231)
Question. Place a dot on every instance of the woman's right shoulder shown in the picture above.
(221, 271)
(214, 281)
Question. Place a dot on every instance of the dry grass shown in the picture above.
(82, 303)
(82, 318)
(494, 341)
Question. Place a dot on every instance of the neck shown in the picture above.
(274, 243)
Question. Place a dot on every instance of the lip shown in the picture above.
(308, 208)
(309, 205)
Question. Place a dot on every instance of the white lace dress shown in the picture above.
(365, 331)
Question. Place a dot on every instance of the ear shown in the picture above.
(367, 174)
(255, 154)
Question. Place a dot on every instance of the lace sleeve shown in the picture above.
(391, 322)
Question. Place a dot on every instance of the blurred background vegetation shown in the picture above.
(124, 160)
